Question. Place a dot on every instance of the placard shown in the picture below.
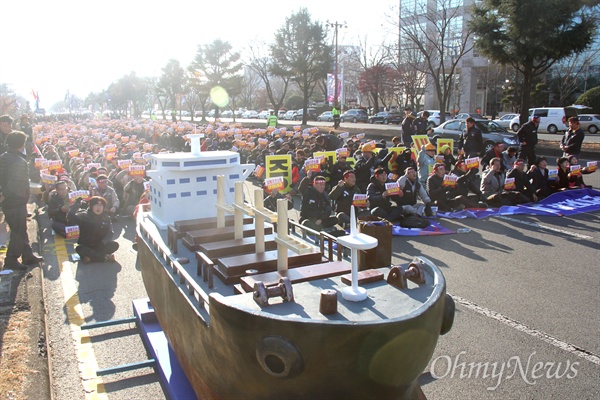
(592, 166)
(359, 200)
(137, 170)
(509, 184)
(392, 188)
(575, 170)
(472, 162)
(72, 232)
(83, 194)
(274, 183)
(450, 180)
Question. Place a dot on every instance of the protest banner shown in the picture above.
(592, 166)
(450, 180)
(552, 174)
(575, 170)
(392, 188)
(259, 171)
(312, 164)
(72, 232)
(471, 163)
(83, 194)
(280, 165)
(48, 179)
(136, 170)
(509, 184)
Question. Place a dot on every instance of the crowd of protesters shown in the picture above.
(92, 171)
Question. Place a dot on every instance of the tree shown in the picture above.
(127, 93)
(172, 82)
(438, 40)
(591, 98)
(275, 85)
(505, 33)
(570, 74)
(377, 82)
(219, 66)
(300, 53)
(8, 100)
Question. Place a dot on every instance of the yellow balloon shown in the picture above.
(219, 96)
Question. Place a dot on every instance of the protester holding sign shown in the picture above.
(95, 231)
(440, 186)
(539, 175)
(343, 195)
(522, 191)
(58, 206)
(380, 199)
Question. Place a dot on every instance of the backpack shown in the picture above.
(414, 221)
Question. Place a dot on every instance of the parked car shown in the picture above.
(505, 120)
(226, 114)
(434, 117)
(354, 115)
(289, 115)
(198, 114)
(264, 114)
(239, 112)
(185, 113)
(467, 115)
(281, 112)
(491, 132)
(386, 117)
(311, 114)
(590, 122)
(211, 113)
(250, 114)
(326, 116)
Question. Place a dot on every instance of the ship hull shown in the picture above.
(235, 353)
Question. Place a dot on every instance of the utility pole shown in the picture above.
(336, 26)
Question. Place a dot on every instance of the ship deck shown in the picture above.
(384, 303)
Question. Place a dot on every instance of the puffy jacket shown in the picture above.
(492, 183)
(93, 228)
(471, 141)
(54, 207)
(528, 134)
(14, 179)
(315, 205)
(343, 196)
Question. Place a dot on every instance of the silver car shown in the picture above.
(491, 132)
(589, 122)
(505, 120)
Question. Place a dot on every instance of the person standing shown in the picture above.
(407, 127)
(335, 112)
(528, 138)
(471, 141)
(420, 125)
(14, 195)
(573, 139)
(272, 120)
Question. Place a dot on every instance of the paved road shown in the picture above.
(527, 291)
(589, 138)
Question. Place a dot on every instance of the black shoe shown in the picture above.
(33, 259)
(17, 266)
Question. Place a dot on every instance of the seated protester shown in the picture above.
(95, 231)
(108, 193)
(449, 159)
(338, 170)
(131, 195)
(383, 152)
(584, 170)
(492, 187)
(343, 195)
(58, 206)
(522, 189)
(413, 190)
(383, 205)
(566, 179)
(329, 142)
(509, 156)
(468, 181)
(316, 210)
(270, 202)
(364, 166)
(426, 158)
(441, 195)
(538, 178)
(495, 152)
(402, 161)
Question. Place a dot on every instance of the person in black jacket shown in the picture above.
(58, 206)
(316, 210)
(407, 127)
(528, 138)
(343, 195)
(5, 128)
(468, 181)
(470, 142)
(14, 195)
(95, 231)
(538, 176)
(380, 200)
(570, 144)
(441, 195)
(522, 192)
(364, 166)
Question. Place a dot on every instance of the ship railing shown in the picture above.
(194, 292)
(321, 239)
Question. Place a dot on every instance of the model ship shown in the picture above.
(254, 308)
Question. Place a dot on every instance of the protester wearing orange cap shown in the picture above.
(364, 166)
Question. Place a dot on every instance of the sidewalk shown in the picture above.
(24, 362)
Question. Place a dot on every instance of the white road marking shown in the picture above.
(550, 228)
(571, 348)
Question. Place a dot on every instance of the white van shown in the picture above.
(553, 119)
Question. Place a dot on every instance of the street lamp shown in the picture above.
(336, 25)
